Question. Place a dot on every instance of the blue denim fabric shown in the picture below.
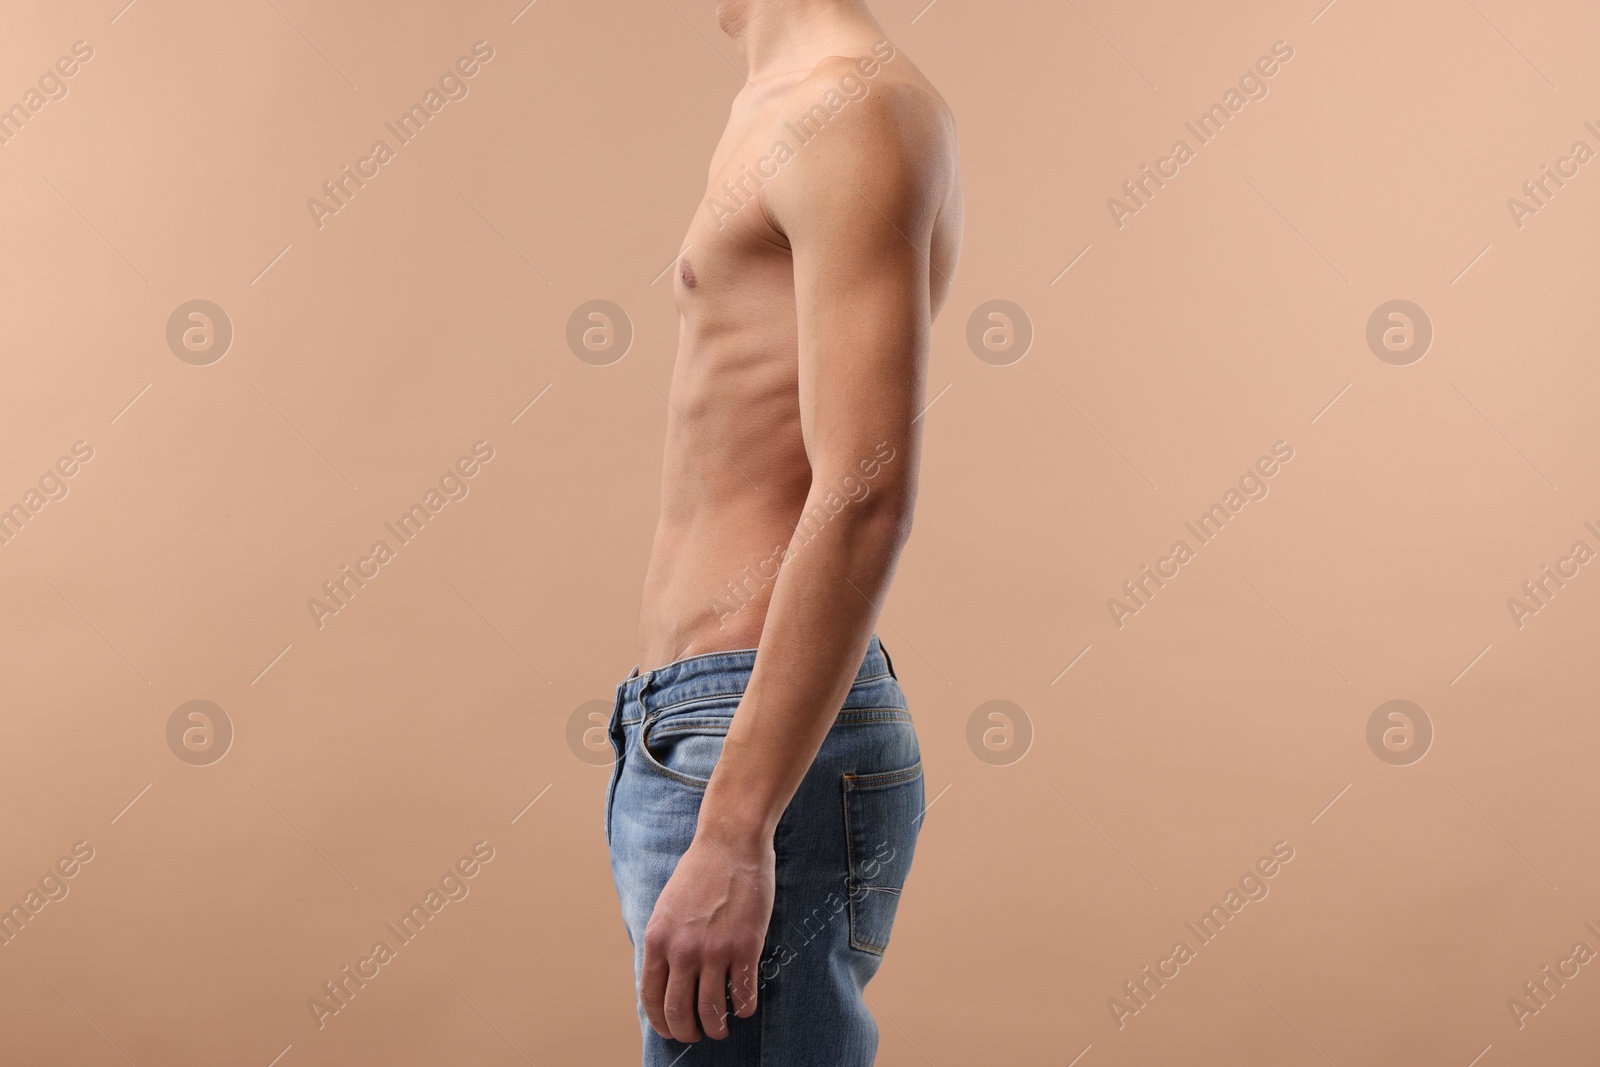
(843, 847)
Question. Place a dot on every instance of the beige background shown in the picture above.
(426, 715)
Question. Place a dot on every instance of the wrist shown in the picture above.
(737, 828)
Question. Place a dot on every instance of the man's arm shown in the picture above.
(858, 205)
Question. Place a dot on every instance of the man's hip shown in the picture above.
(843, 846)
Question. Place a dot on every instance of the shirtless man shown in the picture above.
(768, 787)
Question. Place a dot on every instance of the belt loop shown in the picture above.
(644, 709)
(887, 662)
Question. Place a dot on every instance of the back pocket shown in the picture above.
(882, 815)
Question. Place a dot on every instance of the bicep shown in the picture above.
(863, 332)
(861, 234)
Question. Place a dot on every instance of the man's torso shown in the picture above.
(735, 474)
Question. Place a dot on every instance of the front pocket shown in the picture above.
(684, 750)
(882, 813)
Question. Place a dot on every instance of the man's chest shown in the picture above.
(731, 242)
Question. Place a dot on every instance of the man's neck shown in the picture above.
(781, 36)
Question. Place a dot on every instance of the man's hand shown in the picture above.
(707, 931)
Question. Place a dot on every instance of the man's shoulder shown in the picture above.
(867, 96)
(874, 120)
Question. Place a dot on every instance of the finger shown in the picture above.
(742, 986)
(653, 985)
(679, 1008)
(713, 1001)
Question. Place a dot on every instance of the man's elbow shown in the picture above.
(890, 505)
(889, 523)
(876, 512)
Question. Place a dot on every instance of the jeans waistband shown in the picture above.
(713, 674)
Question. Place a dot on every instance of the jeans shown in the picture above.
(843, 848)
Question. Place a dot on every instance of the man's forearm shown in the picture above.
(819, 620)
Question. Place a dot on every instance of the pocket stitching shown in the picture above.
(858, 782)
(854, 783)
(708, 727)
(856, 942)
(649, 759)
